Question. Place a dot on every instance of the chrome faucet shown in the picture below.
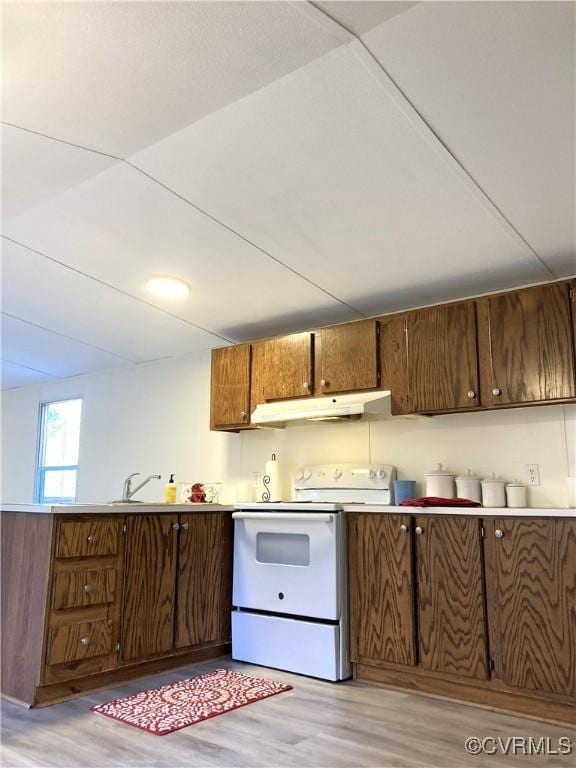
(128, 491)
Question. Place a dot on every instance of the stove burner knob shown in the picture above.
(337, 474)
(381, 474)
(307, 474)
(299, 475)
(371, 474)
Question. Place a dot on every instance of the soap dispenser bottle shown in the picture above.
(170, 491)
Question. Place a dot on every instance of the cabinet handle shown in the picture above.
(496, 391)
(499, 533)
(85, 641)
(403, 528)
(88, 588)
(185, 526)
(323, 383)
(176, 526)
(91, 539)
(419, 530)
(305, 385)
(471, 394)
(243, 415)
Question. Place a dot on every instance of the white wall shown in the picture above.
(154, 419)
(149, 419)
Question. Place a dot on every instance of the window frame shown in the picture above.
(41, 469)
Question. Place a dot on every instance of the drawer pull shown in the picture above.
(91, 539)
(499, 533)
(85, 641)
(403, 528)
(419, 530)
(88, 588)
(185, 526)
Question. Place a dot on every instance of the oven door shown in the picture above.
(287, 562)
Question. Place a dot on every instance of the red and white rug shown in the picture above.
(163, 710)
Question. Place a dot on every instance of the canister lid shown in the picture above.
(439, 472)
(493, 479)
(468, 475)
(515, 484)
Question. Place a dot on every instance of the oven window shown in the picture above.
(283, 548)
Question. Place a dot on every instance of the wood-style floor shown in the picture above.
(333, 725)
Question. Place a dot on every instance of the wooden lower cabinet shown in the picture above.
(477, 609)
(154, 591)
(204, 579)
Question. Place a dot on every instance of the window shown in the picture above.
(58, 445)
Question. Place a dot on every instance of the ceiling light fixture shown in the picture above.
(170, 288)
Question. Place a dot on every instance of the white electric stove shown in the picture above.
(290, 576)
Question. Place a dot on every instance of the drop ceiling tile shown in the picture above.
(40, 291)
(497, 83)
(12, 375)
(40, 350)
(35, 168)
(122, 228)
(117, 76)
(324, 171)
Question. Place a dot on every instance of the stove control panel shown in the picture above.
(345, 482)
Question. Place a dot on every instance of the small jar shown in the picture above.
(516, 495)
(493, 492)
(440, 482)
(468, 486)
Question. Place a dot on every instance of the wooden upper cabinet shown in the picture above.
(451, 615)
(230, 387)
(394, 362)
(534, 602)
(204, 579)
(282, 368)
(381, 589)
(347, 359)
(149, 586)
(527, 345)
(442, 358)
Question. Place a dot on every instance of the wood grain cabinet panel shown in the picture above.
(535, 603)
(527, 338)
(88, 538)
(348, 357)
(282, 368)
(230, 387)
(451, 602)
(80, 588)
(393, 355)
(83, 640)
(204, 579)
(442, 358)
(381, 589)
(149, 586)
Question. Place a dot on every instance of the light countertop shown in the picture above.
(120, 509)
(470, 511)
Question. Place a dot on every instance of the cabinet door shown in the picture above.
(442, 358)
(230, 387)
(534, 603)
(381, 589)
(451, 603)
(348, 357)
(527, 350)
(394, 362)
(282, 368)
(204, 579)
(149, 586)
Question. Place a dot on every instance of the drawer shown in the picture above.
(70, 642)
(85, 538)
(80, 588)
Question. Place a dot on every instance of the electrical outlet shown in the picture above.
(533, 474)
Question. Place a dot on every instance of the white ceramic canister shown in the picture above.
(516, 495)
(468, 486)
(440, 482)
(493, 492)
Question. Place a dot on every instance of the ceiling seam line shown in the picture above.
(491, 204)
(242, 237)
(115, 288)
(63, 141)
(70, 338)
(28, 368)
